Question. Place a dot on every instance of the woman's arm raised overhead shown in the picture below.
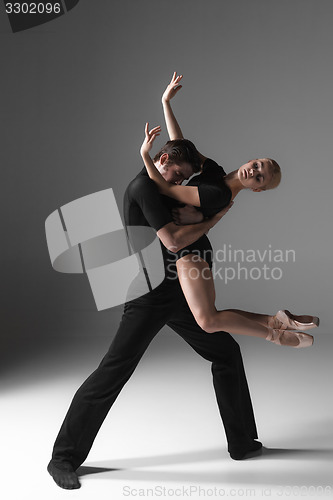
(185, 194)
(172, 124)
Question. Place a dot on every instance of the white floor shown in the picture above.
(163, 437)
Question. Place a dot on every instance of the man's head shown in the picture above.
(177, 160)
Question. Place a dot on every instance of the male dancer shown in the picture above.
(142, 320)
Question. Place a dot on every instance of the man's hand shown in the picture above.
(220, 214)
(187, 215)
(172, 88)
(217, 217)
(150, 136)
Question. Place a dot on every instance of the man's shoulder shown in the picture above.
(140, 180)
(140, 184)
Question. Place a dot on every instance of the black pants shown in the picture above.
(141, 321)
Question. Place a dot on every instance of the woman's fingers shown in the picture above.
(155, 129)
(155, 134)
(175, 79)
(150, 135)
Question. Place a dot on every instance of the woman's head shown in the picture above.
(260, 174)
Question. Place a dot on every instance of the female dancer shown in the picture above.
(211, 191)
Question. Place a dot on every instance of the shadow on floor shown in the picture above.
(295, 467)
(297, 454)
(86, 470)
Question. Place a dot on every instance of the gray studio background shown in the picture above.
(75, 94)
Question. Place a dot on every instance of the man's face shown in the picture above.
(175, 174)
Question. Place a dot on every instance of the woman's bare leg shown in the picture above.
(198, 287)
(262, 319)
(274, 322)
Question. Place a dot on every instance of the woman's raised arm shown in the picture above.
(172, 124)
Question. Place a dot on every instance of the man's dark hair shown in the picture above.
(181, 151)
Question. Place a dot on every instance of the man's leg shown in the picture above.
(141, 321)
(229, 379)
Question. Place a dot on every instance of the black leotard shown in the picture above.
(213, 192)
(214, 196)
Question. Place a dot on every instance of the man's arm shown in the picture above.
(145, 194)
(172, 124)
(175, 237)
(187, 215)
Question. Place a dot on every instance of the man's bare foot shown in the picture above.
(250, 451)
(64, 475)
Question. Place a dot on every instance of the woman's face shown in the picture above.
(255, 175)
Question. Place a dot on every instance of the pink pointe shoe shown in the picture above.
(292, 322)
(276, 336)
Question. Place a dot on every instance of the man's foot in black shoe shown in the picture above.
(64, 475)
(254, 450)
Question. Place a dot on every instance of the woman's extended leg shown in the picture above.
(284, 320)
(198, 286)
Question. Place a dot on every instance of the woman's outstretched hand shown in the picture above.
(150, 136)
(172, 88)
